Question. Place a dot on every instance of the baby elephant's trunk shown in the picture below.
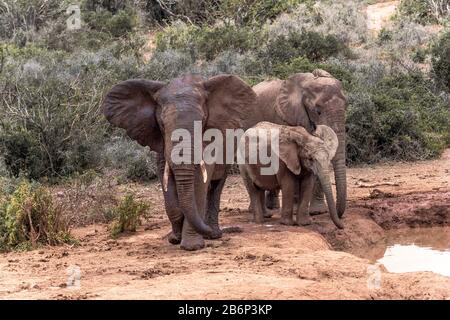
(324, 179)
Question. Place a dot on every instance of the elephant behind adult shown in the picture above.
(309, 99)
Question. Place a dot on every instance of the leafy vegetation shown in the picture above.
(29, 217)
(441, 61)
(127, 215)
(426, 11)
(399, 118)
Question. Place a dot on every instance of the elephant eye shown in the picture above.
(319, 112)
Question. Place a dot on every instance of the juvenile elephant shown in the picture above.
(302, 157)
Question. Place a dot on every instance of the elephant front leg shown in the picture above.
(212, 213)
(175, 216)
(173, 210)
(305, 195)
(287, 191)
(318, 204)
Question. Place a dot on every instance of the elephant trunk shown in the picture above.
(340, 174)
(323, 174)
(185, 181)
(336, 119)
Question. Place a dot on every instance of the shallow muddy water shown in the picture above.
(411, 250)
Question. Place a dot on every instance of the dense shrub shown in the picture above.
(165, 65)
(132, 161)
(309, 44)
(207, 12)
(191, 11)
(29, 217)
(441, 61)
(247, 12)
(398, 119)
(128, 215)
(209, 41)
(21, 19)
(117, 24)
(50, 124)
(426, 11)
(341, 18)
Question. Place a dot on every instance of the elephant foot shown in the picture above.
(192, 243)
(268, 214)
(287, 221)
(317, 206)
(259, 219)
(174, 238)
(216, 234)
(304, 220)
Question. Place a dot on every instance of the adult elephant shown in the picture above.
(321, 95)
(152, 111)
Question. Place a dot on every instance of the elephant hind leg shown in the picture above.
(273, 199)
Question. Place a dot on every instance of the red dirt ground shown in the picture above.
(262, 262)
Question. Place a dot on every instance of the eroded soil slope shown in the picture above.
(262, 262)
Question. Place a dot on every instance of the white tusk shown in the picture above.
(166, 176)
(204, 172)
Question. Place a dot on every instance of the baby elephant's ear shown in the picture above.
(329, 138)
(130, 105)
(289, 155)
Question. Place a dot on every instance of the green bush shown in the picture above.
(208, 42)
(51, 125)
(419, 55)
(248, 12)
(131, 161)
(441, 61)
(117, 24)
(20, 19)
(207, 12)
(140, 170)
(398, 119)
(425, 12)
(127, 215)
(29, 217)
(196, 12)
(309, 44)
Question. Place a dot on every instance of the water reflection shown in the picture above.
(409, 250)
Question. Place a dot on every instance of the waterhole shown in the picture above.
(412, 250)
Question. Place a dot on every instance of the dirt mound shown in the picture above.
(414, 210)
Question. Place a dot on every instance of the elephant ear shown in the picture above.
(289, 155)
(290, 101)
(329, 138)
(130, 105)
(230, 102)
